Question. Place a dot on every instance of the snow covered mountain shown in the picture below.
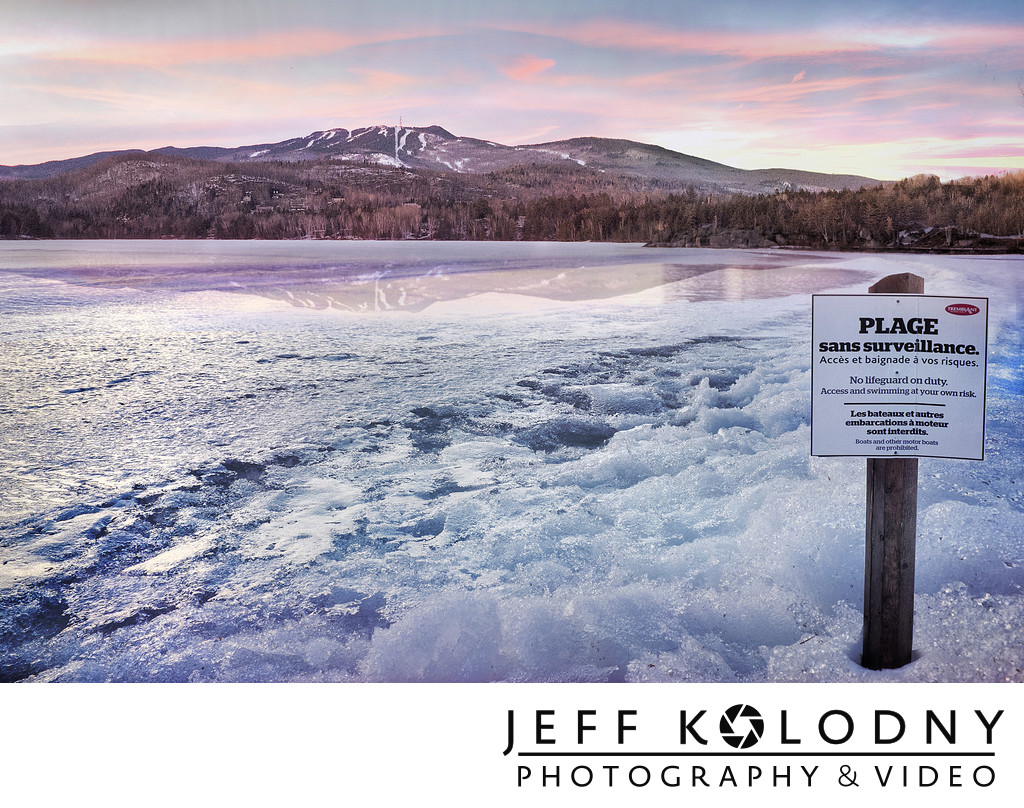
(386, 145)
(435, 148)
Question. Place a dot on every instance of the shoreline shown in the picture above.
(983, 245)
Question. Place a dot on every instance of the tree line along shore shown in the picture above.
(144, 197)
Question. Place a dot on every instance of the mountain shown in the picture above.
(434, 148)
(53, 168)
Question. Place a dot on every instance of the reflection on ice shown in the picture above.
(349, 276)
(645, 282)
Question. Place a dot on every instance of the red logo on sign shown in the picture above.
(963, 309)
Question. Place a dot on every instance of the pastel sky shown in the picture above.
(883, 88)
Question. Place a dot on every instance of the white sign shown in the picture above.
(898, 375)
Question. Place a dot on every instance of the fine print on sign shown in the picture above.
(898, 375)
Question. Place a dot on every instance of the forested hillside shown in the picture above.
(167, 196)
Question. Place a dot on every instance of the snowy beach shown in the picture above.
(346, 461)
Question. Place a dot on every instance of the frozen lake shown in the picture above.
(375, 461)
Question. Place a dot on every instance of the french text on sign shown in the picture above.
(898, 375)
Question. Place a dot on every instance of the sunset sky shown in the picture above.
(883, 88)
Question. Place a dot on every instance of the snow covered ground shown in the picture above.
(458, 462)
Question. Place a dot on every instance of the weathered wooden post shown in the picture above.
(929, 401)
(890, 539)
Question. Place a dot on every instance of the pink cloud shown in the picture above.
(994, 152)
(793, 95)
(170, 52)
(527, 67)
(752, 45)
(382, 81)
(622, 35)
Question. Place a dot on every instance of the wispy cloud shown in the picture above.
(171, 51)
(526, 67)
(755, 43)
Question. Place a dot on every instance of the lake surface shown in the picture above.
(422, 461)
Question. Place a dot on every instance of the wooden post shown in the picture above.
(890, 539)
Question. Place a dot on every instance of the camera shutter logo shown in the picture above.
(741, 726)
